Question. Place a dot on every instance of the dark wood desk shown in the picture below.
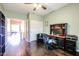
(60, 40)
(57, 36)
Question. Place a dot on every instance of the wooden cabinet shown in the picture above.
(64, 41)
(59, 32)
(70, 44)
(58, 29)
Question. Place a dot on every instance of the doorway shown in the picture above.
(16, 36)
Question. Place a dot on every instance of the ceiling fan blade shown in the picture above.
(28, 3)
(34, 9)
(43, 7)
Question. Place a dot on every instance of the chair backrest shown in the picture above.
(45, 38)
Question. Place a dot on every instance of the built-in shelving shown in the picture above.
(59, 32)
(2, 33)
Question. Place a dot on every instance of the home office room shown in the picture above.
(39, 29)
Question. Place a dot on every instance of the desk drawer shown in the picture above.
(71, 48)
(70, 43)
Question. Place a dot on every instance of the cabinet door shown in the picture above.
(61, 43)
(0, 41)
(3, 44)
(70, 43)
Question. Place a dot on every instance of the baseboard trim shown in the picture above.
(32, 40)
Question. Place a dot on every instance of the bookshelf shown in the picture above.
(58, 29)
(2, 34)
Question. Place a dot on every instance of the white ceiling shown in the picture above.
(25, 8)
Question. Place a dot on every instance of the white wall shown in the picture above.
(68, 14)
(36, 25)
(11, 14)
(1, 8)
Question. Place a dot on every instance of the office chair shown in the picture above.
(48, 43)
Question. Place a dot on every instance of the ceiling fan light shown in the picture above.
(39, 5)
(37, 8)
(35, 5)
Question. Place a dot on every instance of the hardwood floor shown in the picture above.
(40, 50)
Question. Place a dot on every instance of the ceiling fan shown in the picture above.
(38, 5)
